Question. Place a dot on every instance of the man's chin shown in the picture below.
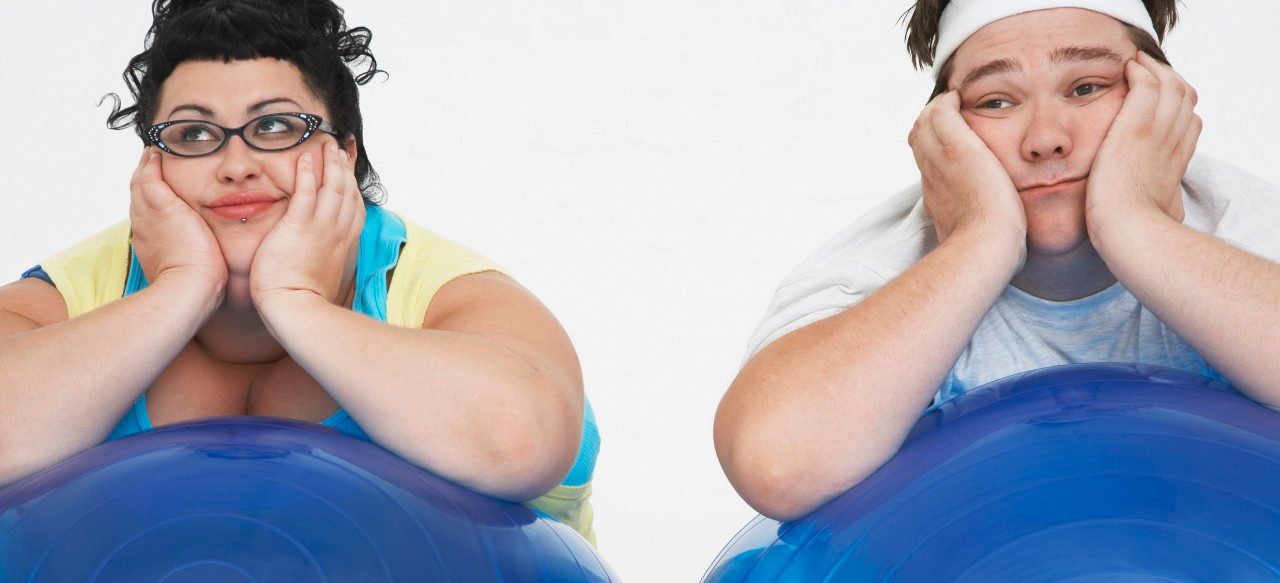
(1057, 242)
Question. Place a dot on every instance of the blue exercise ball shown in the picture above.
(258, 499)
(1075, 473)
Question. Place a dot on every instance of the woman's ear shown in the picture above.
(349, 144)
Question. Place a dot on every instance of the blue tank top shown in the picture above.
(380, 242)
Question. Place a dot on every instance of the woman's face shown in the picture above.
(230, 94)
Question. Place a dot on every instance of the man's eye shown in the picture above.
(995, 104)
(1086, 89)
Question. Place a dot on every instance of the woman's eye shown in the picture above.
(1086, 89)
(196, 134)
(995, 104)
(272, 125)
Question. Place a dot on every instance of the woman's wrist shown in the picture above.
(191, 293)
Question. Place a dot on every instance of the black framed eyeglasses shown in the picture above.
(274, 132)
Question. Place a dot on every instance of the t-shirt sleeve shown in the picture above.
(808, 296)
(859, 260)
(38, 273)
(1233, 205)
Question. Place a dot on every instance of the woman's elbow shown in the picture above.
(526, 461)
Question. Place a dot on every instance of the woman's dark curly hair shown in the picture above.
(310, 34)
(922, 34)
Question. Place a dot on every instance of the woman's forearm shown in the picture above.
(65, 386)
(464, 406)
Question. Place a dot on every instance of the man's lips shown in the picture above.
(242, 205)
(1046, 186)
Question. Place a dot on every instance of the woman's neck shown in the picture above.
(235, 333)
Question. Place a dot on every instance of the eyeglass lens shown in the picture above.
(270, 132)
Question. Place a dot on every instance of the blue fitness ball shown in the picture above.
(255, 499)
(1081, 473)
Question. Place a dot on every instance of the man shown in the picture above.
(1060, 218)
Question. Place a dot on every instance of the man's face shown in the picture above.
(1041, 89)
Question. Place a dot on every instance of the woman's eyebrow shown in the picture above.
(261, 105)
(193, 107)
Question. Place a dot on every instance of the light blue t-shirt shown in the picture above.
(1022, 332)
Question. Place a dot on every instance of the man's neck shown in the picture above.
(1068, 276)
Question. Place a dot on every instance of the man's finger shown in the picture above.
(1186, 113)
(950, 128)
(1144, 92)
(1172, 95)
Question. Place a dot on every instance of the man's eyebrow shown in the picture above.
(1074, 54)
(992, 68)
(261, 105)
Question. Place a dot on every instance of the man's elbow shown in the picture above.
(780, 482)
(779, 495)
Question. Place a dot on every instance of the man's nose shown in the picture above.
(1047, 136)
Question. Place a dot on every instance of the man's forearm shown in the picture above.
(1224, 301)
(821, 408)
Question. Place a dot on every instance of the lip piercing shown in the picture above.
(244, 220)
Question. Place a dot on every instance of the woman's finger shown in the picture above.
(351, 196)
(329, 198)
(302, 203)
(152, 184)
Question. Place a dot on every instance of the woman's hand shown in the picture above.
(312, 250)
(1139, 167)
(169, 237)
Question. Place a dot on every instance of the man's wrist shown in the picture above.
(1114, 232)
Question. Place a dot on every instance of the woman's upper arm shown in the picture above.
(28, 304)
(494, 306)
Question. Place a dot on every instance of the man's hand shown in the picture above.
(311, 251)
(965, 186)
(1138, 169)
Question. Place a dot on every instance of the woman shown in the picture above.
(258, 275)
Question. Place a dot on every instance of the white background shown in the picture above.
(650, 168)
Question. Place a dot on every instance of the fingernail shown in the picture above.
(306, 157)
(153, 155)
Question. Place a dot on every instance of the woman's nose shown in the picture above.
(239, 161)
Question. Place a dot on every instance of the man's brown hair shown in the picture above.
(922, 34)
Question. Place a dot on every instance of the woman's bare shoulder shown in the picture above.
(30, 303)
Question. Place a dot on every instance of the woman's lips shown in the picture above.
(242, 205)
(242, 211)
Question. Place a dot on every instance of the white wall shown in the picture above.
(650, 168)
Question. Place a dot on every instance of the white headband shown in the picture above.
(962, 18)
